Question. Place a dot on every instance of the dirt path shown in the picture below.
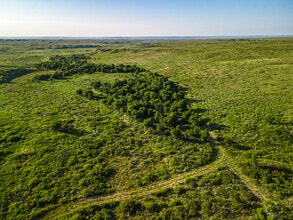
(138, 192)
(157, 186)
(221, 158)
(257, 191)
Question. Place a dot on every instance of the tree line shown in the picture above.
(64, 66)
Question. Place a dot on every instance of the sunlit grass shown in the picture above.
(242, 87)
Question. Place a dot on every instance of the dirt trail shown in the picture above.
(257, 191)
(221, 158)
(142, 191)
(230, 163)
(157, 186)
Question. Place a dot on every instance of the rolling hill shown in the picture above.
(146, 129)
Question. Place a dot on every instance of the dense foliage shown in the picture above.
(78, 64)
(156, 102)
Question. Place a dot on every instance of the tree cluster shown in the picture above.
(63, 62)
(157, 102)
(64, 66)
(120, 68)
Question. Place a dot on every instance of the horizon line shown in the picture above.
(151, 37)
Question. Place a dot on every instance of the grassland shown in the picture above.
(105, 164)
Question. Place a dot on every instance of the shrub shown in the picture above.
(79, 92)
(129, 207)
(89, 94)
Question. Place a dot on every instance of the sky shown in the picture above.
(109, 18)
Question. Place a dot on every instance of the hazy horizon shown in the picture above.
(140, 37)
(130, 18)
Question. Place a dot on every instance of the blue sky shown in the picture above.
(99, 18)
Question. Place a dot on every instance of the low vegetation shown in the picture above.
(146, 129)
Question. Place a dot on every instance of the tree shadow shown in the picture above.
(215, 127)
(205, 122)
(74, 131)
(234, 144)
(193, 100)
(274, 168)
(9, 75)
(4, 154)
(199, 110)
(67, 128)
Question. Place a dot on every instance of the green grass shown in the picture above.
(243, 88)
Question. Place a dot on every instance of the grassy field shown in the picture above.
(67, 156)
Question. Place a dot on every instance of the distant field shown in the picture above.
(71, 150)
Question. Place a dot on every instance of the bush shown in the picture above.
(79, 92)
(129, 207)
(89, 94)
(62, 126)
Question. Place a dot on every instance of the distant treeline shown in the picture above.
(75, 46)
(78, 64)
